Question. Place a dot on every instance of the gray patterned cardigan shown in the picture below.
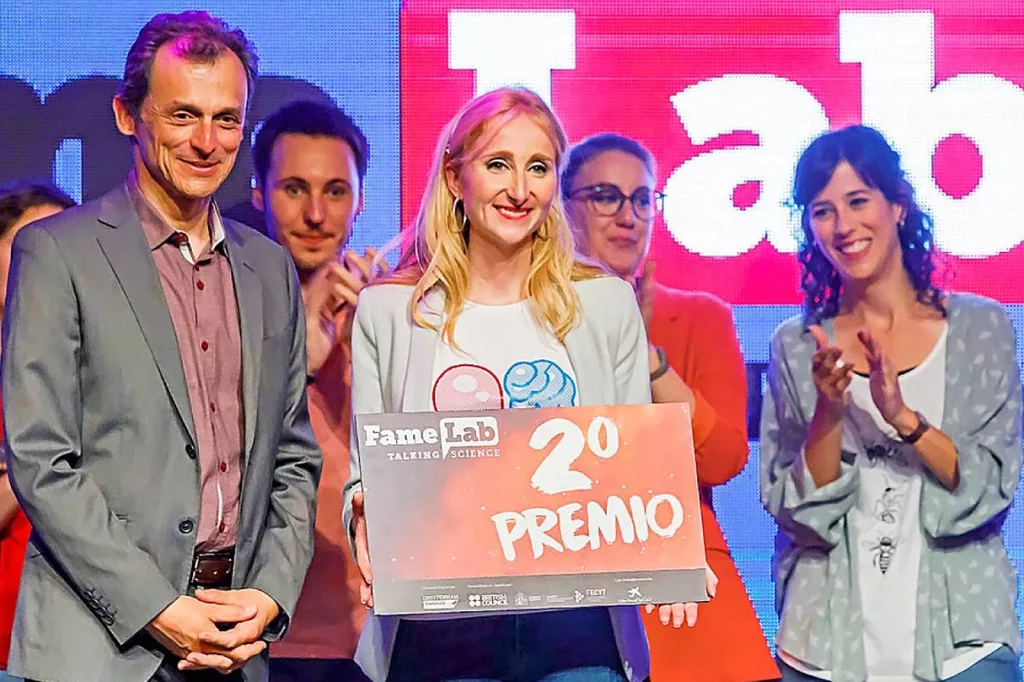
(967, 586)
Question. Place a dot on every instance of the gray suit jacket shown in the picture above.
(392, 371)
(98, 435)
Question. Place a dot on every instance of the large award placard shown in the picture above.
(531, 508)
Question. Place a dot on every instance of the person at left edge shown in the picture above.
(21, 203)
(160, 444)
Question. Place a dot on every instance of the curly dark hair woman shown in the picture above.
(890, 442)
(878, 165)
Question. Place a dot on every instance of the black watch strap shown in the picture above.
(915, 435)
(662, 364)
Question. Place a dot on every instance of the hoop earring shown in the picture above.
(455, 214)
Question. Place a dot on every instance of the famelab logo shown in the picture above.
(455, 438)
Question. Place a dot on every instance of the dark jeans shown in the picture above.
(315, 670)
(999, 666)
(513, 648)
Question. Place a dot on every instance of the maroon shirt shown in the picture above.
(200, 295)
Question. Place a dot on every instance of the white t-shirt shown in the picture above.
(506, 359)
(885, 524)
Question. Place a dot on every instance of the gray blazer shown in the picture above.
(97, 422)
(392, 368)
(966, 586)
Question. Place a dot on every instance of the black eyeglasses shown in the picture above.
(607, 200)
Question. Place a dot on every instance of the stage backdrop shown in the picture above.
(724, 92)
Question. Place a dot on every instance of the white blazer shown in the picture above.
(392, 371)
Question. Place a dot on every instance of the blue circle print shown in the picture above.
(539, 383)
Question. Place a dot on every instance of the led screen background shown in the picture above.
(61, 62)
(724, 93)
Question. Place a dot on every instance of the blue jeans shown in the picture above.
(576, 645)
(4, 677)
(589, 674)
(999, 666)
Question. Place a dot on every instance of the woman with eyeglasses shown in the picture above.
(694, 357)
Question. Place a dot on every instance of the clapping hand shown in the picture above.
(334, 287)
(883, 378)
(830, 373)
(644, 289)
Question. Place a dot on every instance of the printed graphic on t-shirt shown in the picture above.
(533, 383)
(467, 387)
(889, 507)
(539, 383)
(883, 552)
(895, 463)
(885, 452)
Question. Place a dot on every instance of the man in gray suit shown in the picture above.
(154, 377)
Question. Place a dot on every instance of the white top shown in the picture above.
(506, 359)
(885, 524)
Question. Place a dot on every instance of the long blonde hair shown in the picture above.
(437, 253)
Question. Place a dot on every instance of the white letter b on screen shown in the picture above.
(897, 56)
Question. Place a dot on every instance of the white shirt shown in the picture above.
(505, 360)
(885, 524)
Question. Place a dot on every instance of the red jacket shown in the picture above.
(727, 644)
(13, 541)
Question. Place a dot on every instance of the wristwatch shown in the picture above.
(662, 368)
(915, 435)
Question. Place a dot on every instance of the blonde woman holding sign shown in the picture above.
(489, 289)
